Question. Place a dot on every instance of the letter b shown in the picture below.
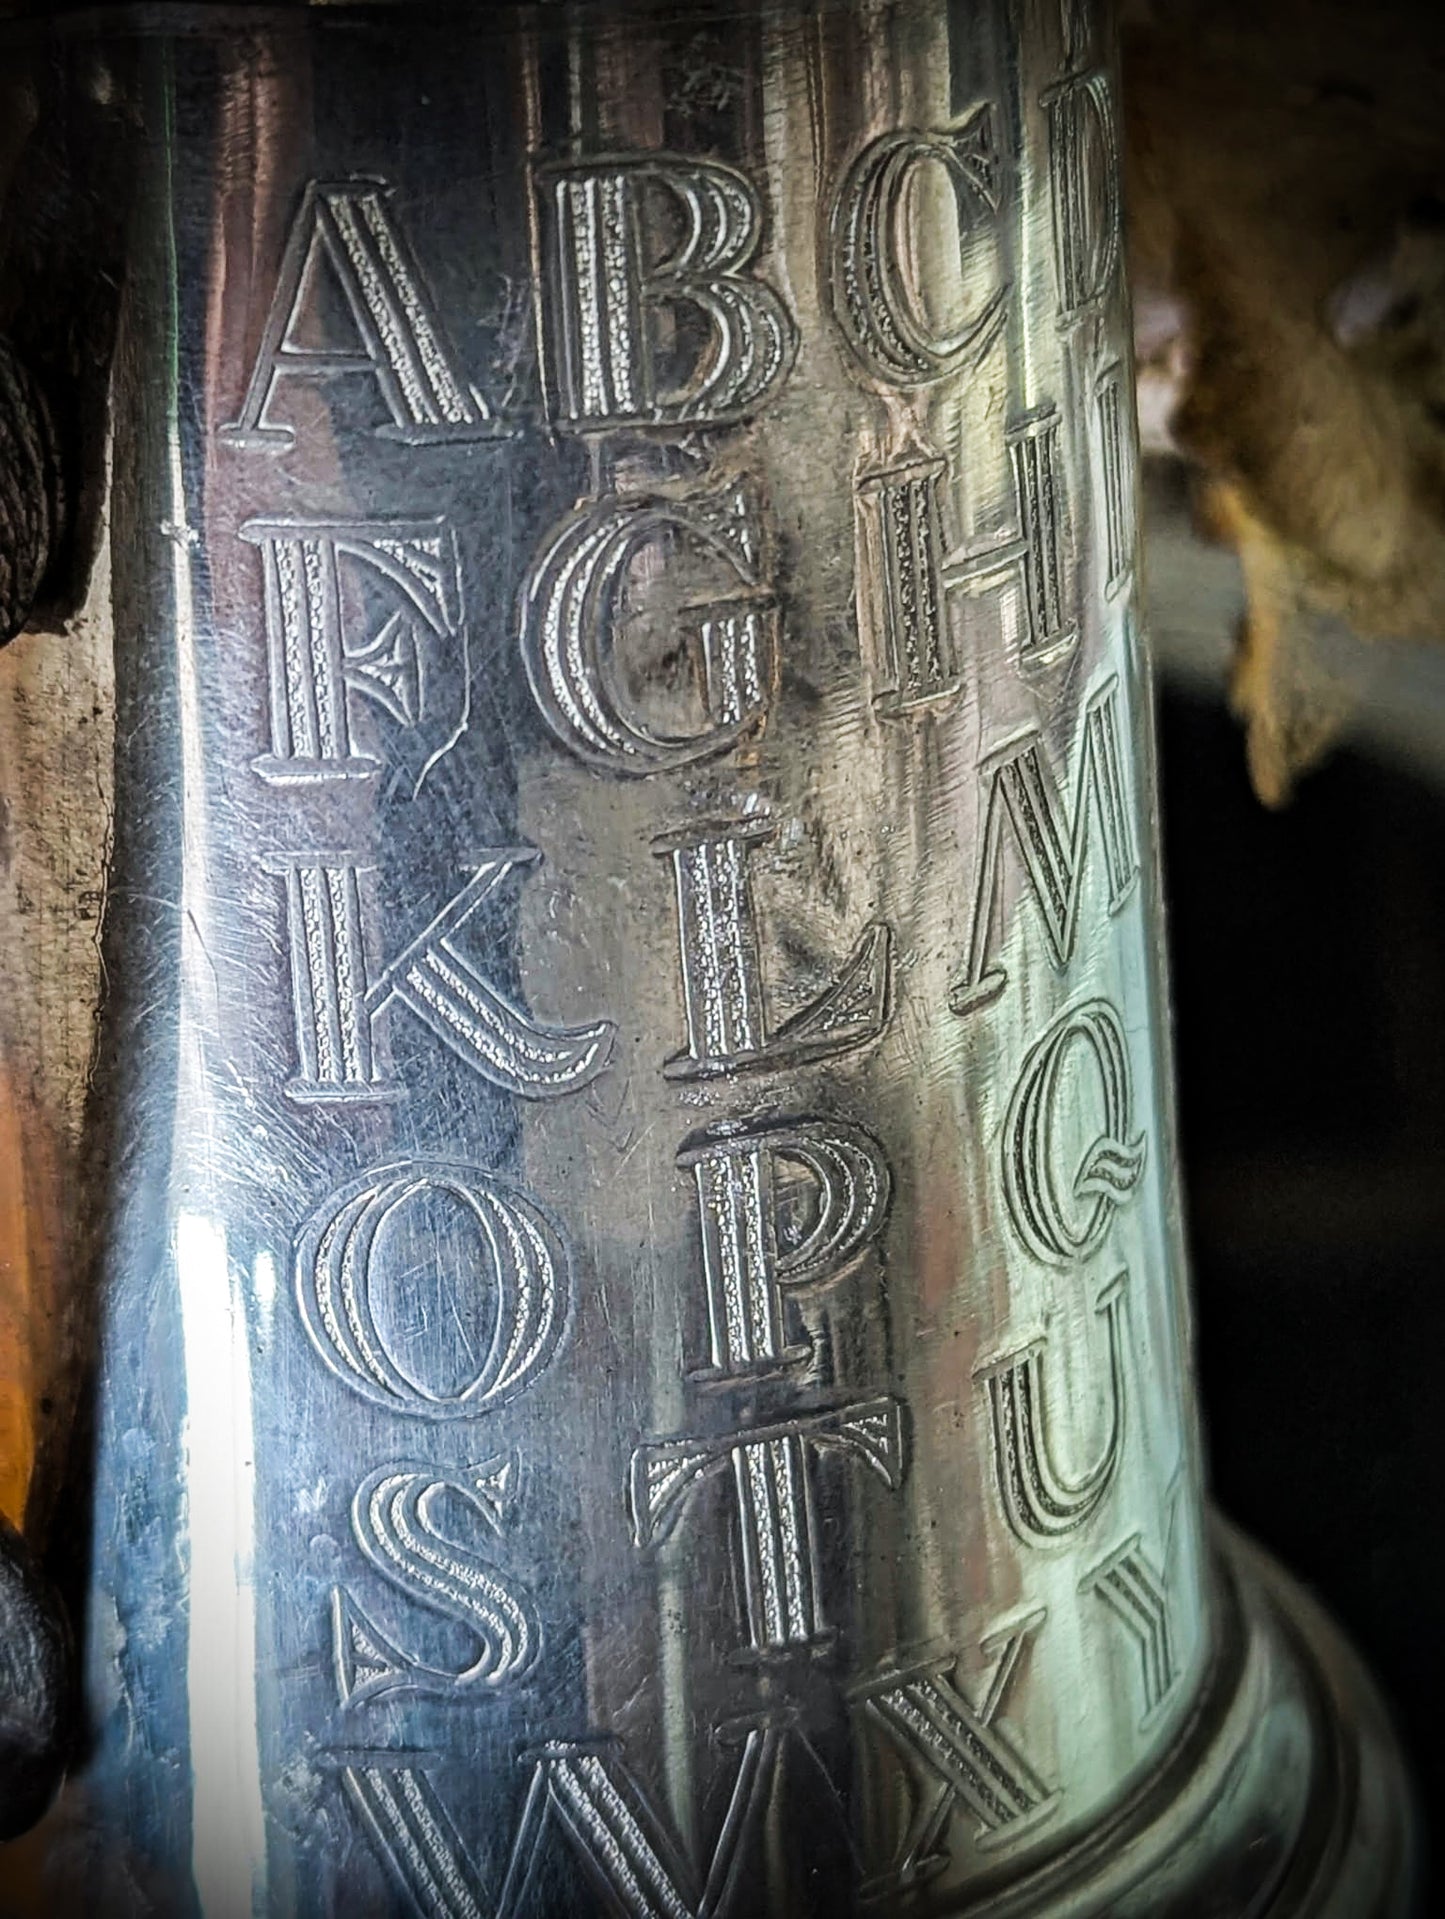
(610, 279)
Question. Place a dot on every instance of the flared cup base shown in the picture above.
(1286, 1798)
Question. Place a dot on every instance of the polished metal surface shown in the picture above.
(645, 1360)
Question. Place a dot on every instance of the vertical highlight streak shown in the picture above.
(217, 1443)
(227, 1836)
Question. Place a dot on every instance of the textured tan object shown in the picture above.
(56, 737)
(1275, 155)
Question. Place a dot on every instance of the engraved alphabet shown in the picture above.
(963, 1760)
(571, 614)
(1112, 1164)
(748, 1272)
(337, 1002)
(722, 979)
(772, 1471)
(520, 1259)
(347, 227)
(611, 292)
(878, 285)
(1042, 1502)
(1023, 798)
(650, 629)
(398, 1521)
(408, 664)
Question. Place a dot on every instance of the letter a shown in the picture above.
(348, 228)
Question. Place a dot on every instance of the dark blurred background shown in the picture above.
(1308, 954)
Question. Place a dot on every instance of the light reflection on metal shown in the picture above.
(218, 1543)
(637, 1019)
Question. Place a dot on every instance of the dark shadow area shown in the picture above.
(1308, 954)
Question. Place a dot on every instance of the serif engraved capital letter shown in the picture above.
(572, 609)
(505, 1256)
(722, 973)
(749, 1271)
(583, 1793)
(394, 645)
(1063, 1216)
(1042, 1501)
(772, 1478)
(903, 593)
(963, 1760)
(900, 322)
(1033, 558)
(631, 1860)
(338, 1003)
(347, 229)
(1135, 1593)
(1084, 178)
(614, 294)
(909, 577)
(1024, 804)
(400, 1521)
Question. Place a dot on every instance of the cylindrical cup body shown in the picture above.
(645, 1360)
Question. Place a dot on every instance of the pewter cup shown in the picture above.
(643, 1353)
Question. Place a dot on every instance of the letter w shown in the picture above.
(585, 1790)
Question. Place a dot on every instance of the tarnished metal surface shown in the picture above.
(645, 1363)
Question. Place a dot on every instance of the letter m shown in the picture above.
(1024, 807)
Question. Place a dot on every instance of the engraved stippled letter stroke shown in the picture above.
(611, 293)
(1116, 453)
(1024, 806)
(879, 295)
(400, 1521)
(722, 975)
(582, 1793)
(748, 1273)
(524, 1279)
(407, 665)
(338, 1002)
(771, 1471)
(572, 609)
(963, 1761)
(912, 582)
(1084, 178)
(348, 229)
